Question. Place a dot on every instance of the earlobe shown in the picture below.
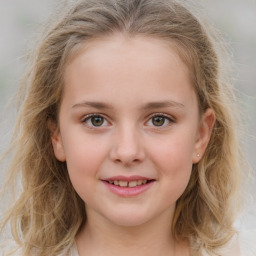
(57, 143)
(204, 134)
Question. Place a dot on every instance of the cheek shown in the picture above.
(173, 159)
(174, 154)
(83, 161)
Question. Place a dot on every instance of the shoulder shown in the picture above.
(232, 248)
(247, 239)
(70, 252)
(73, 251)
(6, 248)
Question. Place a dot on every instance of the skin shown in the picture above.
(126, 77)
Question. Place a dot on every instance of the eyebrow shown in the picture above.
(98, 105)
(148, 106)
(163, 104)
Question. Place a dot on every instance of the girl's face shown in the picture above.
(129, 128)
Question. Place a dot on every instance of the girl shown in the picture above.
(125, 140)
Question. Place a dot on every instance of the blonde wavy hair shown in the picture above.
(48, 213)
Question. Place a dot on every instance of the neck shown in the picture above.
(101, 237)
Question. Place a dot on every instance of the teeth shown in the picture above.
(139, 182)
(123, 183)
(130, 184)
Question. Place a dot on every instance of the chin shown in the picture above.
(129, 219)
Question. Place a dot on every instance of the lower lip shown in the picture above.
(128, 191)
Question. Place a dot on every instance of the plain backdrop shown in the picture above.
(236, 19)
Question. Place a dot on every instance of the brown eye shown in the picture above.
(97, 120)
(158, 120)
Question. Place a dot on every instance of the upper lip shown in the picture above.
(127, 178)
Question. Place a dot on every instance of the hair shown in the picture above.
(48, 213)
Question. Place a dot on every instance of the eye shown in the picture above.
(160, 120)
(95, 120)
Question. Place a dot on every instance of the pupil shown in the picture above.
(158, 121)
(97, 121)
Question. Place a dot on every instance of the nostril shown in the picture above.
(128, 163)
(127, 152)
(126, 159)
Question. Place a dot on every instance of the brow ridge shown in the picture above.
(148, 106)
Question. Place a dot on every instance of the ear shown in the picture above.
(56, 141)
(204, 134)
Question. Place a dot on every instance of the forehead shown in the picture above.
(131, 42)
(134, 65)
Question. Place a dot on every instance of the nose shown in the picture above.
(127, 148)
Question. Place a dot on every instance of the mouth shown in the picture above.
(130, 184)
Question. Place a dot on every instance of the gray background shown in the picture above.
(236, 19)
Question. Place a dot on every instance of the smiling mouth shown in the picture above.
(124, 186)
(130, 184)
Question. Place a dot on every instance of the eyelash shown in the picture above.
(168, 118)
(89, 117)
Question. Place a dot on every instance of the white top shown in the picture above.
(247, 245)
(73, 251)
(231, 249)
